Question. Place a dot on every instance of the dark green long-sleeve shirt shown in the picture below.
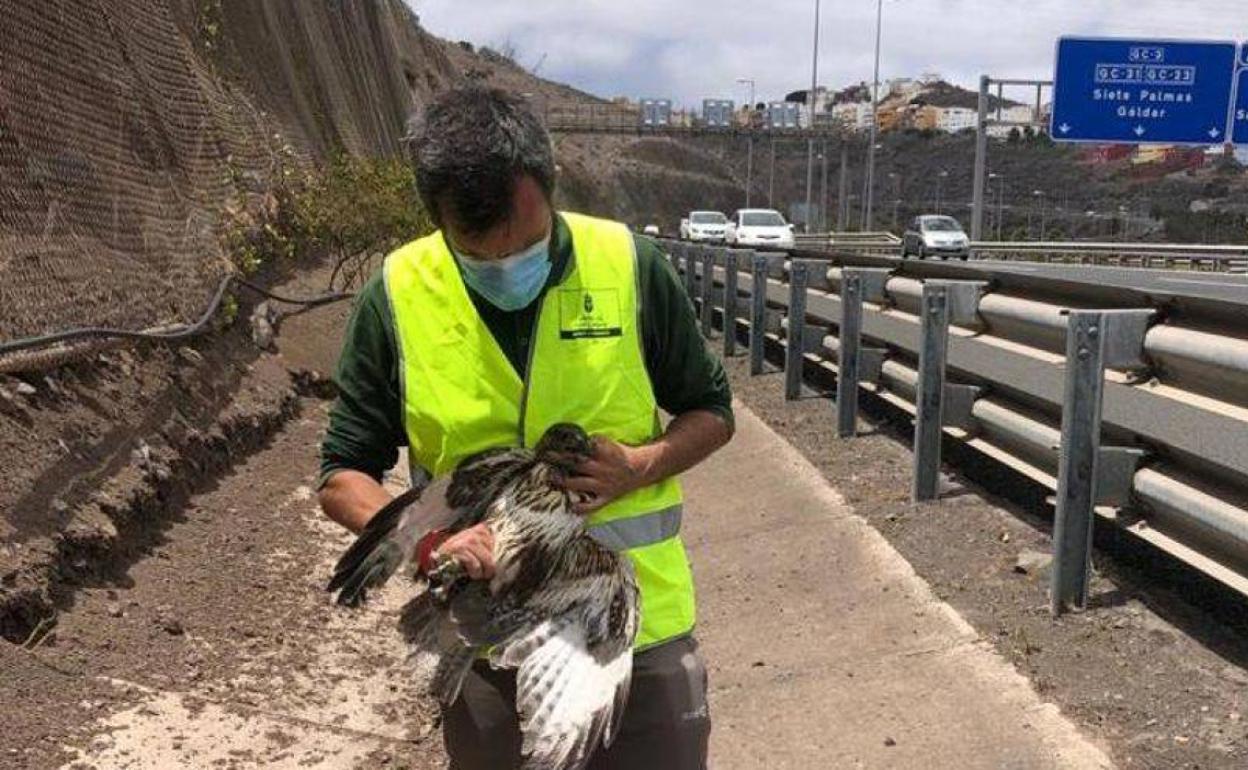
(366, 422)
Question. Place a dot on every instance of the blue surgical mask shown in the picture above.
(512, 282)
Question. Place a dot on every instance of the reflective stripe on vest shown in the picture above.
(638, 531)
(586, 365)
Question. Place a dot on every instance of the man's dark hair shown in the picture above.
(470, 148)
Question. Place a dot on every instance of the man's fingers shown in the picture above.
(470, 563)
(485, 559)
(591, 467)
(589, 506)
(587, 484)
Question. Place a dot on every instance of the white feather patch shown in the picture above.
(566, 698)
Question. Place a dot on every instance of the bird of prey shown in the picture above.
(561, 609)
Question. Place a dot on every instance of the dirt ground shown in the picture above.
(226, 613)
(1160, 679)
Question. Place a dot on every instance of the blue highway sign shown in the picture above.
(1142, 91)
(1240, 117)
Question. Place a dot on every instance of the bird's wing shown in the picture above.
(389, 541)
(569, 697)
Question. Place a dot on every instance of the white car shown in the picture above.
(760, 227)
(703, 226)
(651, 230)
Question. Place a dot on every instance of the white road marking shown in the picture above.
(1199, 283)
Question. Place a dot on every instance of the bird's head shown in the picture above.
(564, 445)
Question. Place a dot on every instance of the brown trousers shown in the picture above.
(666, 723)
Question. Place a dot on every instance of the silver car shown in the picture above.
(705, 226)
(935, 235)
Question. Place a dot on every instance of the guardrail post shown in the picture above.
(691, 254)
(730, 303)
(944, 302)
(850, 334)
(758, 312)
(794, 350)
(1095, 339)
(708, 291)
(856, 285)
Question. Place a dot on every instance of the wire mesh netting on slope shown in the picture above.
(127, 125)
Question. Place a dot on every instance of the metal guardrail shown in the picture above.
(1133, 411)
(1158, 256)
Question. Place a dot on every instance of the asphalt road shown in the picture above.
(1159, 285)
(1220, 287)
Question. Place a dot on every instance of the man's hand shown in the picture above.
(473, 548)
(611, 472)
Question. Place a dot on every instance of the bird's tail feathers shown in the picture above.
(439, 655)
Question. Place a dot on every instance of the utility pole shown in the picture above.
(1039, 196)
(869, 217)
(1000, 199)
(749, 152)
(771, 175)
(896, 195)
(810, 102)
(981, 161)
(823, 189)
(842, 203)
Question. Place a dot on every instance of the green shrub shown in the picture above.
(348, 208)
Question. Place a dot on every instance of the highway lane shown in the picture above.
(1147, 285)
(1219, 287)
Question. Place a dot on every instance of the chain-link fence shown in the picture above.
(127, 125)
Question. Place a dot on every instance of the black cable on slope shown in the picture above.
(102, 332)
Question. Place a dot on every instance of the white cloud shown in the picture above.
(698, 48)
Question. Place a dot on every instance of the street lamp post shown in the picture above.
(1039, 196)
(875, 120)
(896, 194)
(940, 178)
(823, 188)
(1000, 200)
(810, 102)
(771, 174)
(749, 142)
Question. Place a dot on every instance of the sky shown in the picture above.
(696, 49)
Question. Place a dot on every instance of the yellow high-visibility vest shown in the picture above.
(586, 366)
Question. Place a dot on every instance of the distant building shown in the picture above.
(1019, 113)
(855, 116)
(1168, 158)
(717, 113)
(1102, 154)
(822, 102)
(784, 115)
(925, 117)
(903, 88)
(951, 120)
(895, 117)
(1149, 153)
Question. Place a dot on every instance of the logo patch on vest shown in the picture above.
(589, 313)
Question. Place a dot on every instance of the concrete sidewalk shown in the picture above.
(826, 650)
